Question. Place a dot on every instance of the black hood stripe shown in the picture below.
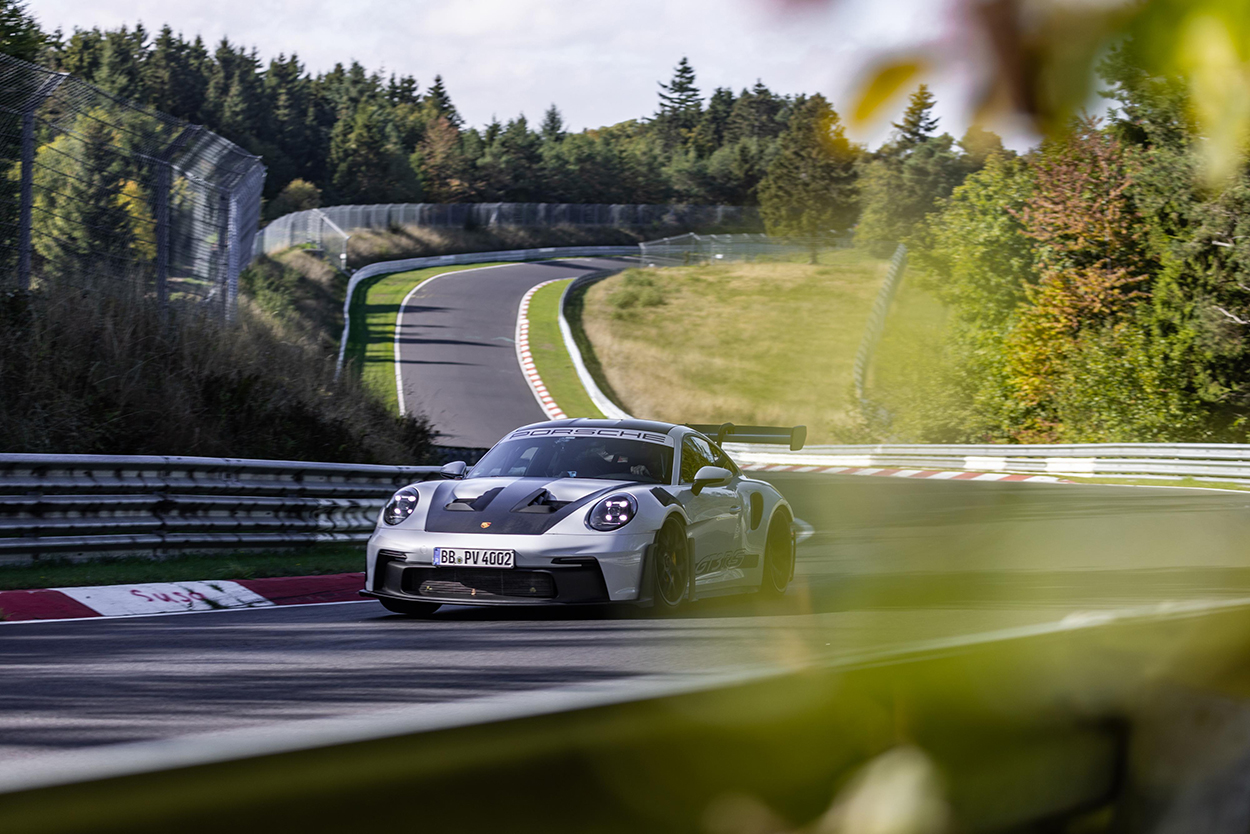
(502, 511)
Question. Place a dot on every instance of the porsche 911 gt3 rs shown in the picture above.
(587, 511)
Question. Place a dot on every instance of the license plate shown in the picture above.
(447, 557)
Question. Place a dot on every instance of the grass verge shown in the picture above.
(122, 570)
(550, 355)
(752, 343)
(371, 344)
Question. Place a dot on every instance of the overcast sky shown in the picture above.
(598, 61)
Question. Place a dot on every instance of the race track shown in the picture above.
(891, 562)
(457, 354)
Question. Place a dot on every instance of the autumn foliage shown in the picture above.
(1092, 261)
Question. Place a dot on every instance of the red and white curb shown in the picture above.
(936, 474)
(177, 597)
(526, 358)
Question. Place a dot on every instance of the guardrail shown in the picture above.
(509, 255)
(1203, 461)
(80, 505)
(85, 505)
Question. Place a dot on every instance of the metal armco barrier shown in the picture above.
(509, 255)
(83, 505)
(1204, 461)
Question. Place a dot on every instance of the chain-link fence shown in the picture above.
(694, 248)
(327, 229)
(96, 191)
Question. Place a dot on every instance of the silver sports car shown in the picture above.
(587, 511)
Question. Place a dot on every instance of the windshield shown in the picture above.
(610, 458)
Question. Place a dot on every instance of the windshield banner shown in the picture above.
(591, 431)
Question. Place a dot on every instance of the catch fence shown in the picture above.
(695, 248)
(327, 229)
(99, 192)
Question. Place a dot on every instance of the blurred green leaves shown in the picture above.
(1041, 56)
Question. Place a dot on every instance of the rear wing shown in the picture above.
(728, 432)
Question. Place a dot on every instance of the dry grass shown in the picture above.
(371, 246)
(95, 372)
(300, 296)
(767, 343)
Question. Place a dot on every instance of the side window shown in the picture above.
(719, 458)
(695, 454)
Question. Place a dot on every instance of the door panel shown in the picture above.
(716, 520)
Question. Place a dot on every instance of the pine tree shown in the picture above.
(20, 35)
(755, 115)
(680, 105)
(439, 102)
(709, 134)
(367, 163)
(918, 124)
(172, 82)
(120, 63)
(552, 129)
(83, 229)
(809, 189)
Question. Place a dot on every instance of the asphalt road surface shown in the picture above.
(457, 349)
(891, 562)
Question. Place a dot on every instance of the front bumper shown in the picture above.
(580, 582)
(550, 568)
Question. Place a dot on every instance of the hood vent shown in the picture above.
(474, 505)
(539, 501)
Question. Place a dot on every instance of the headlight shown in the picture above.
(612, 512)
(401, 505)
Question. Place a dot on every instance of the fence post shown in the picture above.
(164, 187)
(223, 252)
(27, 196)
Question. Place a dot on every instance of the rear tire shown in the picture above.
(409, 609)
(670, 568)
(778, 557)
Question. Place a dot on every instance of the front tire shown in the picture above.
(670, 559)
(409, 609)
(778, 557)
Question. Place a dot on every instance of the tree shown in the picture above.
(20, 35)
(173, 83)
(918, 124)
(121, 61)
(756, 114)
(899, 193)
(1093, 262)
(709, 133)
(511, 167)
(979, 145)
(809, 189)
(298, 195)
(552, 129)
(680, 105)
(84, 230)
(367, 163)
(440, 161)
(438, 102)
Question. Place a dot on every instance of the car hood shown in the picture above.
(511, 506)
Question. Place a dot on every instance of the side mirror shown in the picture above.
(455, 470)
(711, 476)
